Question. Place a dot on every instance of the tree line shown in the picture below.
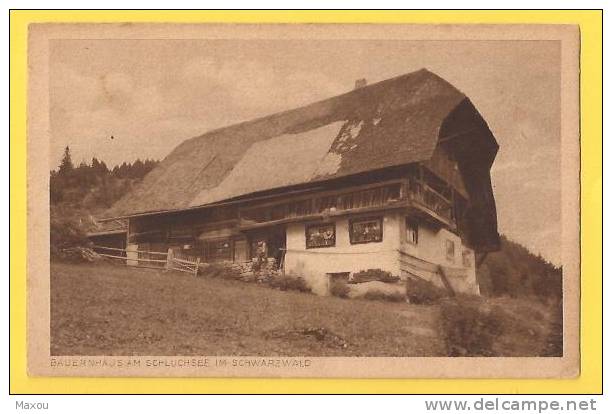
(93, 185)
(515, 271)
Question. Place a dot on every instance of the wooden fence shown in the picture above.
(182, 263)
(152, 260)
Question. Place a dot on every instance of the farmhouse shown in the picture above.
(394, 176)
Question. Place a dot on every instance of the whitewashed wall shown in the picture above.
(313, 264)
(431, 248)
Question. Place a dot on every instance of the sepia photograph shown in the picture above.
(303, 200)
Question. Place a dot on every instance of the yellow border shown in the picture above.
(591, 237)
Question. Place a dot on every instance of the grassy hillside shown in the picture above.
(103, 309)
(115, 310)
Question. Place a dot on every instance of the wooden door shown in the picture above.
(240, 251)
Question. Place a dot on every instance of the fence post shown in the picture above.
(131, 254)
(169, 259)
(197, 267)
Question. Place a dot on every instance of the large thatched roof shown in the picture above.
(394, 122)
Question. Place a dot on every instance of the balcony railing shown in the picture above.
(398, 194)
(325, 203)
(427, 197)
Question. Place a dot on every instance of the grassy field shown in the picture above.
(106, 309)
(114, 310)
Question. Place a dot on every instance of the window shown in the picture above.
(367, 230)
(467, 258)
(412, 231)
(450, 250)
(320, 235)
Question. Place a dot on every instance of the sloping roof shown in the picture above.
(98, 228)
(393, 122)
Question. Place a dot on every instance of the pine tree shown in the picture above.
(66, 165)
(99, 168)
(103, 167)
(137, 170)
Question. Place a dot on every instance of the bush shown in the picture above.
(422, 292)
(272, 279)
(288, 282)
(339, 289)
(468, 330)
(65, 233)
(371, 275)
(386, 296)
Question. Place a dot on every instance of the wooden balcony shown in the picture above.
(358, 199)
(430, 204)
(414, 195)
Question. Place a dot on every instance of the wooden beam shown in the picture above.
(321, 216)
(105, 233)
(432, 215)
(125, 250)
(208, 206)
(132, 259)
(348, 190)
(445, 281)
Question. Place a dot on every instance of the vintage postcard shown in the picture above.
(355, 201)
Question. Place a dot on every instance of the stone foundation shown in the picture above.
(255, 271)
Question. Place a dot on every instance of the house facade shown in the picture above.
(391, 176)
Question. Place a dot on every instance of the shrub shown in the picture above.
(371, 275)
(468, 330)
(422, 292)
(386, 296)
(288, 282)
(339, 289)
(65, 233)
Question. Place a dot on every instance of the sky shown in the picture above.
(150, 95)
